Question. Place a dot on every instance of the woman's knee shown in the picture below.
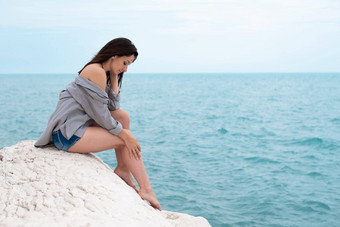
(122, 116)
(125, 115)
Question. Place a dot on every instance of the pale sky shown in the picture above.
(173, 36)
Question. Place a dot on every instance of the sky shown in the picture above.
(173, 36)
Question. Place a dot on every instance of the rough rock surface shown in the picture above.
(48, 187)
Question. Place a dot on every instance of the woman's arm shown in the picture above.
(114, 83)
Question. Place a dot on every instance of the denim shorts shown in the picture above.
(61, 142)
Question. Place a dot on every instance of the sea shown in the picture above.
(239, 149)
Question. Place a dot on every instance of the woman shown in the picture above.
(88, 119)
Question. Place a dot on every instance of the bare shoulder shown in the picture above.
(96, 74)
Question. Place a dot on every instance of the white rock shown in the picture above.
(48, 187)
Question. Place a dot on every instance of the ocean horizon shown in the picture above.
(240, 149)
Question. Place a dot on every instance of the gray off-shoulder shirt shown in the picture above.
(80, 104)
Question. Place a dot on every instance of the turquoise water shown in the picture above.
(237, 149)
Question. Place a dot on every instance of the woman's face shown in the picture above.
(120, 64)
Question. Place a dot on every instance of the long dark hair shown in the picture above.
(116, 47)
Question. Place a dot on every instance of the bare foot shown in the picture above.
(150, 196)
(126, 176)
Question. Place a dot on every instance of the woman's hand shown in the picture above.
(131, 143)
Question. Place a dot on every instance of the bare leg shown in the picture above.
(138, 170)
(122, 169)
(97, 139)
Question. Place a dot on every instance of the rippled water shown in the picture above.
(237, 149)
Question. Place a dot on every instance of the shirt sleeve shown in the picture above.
(95, 104)
(114, 99)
